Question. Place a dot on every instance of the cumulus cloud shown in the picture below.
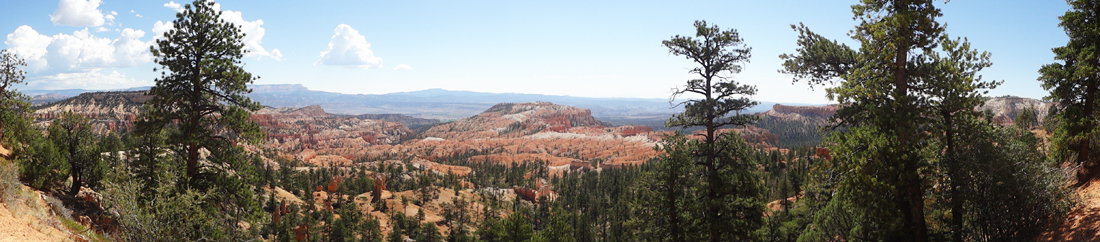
(110, 18)
(174, 6)
(402, 67)
(253, 34)
(129, 50)
(349, 49)
(28, 44)
(79, 52)
(159, 28)
(78, 13)
(93, 80)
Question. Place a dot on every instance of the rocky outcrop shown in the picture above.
(1006, 108)
(314, 111)
(408, 121)
(107, 111)
(515, 120)
(315, 136)
(47, 98)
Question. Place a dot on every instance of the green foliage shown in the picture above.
(1073, 85)
(591, 206)
(37, 158)
(729, 186)
(1027, 118)
(429, 233)
(186, 178)
(200, 95)
(907, 84)
(793, 133)
(517, 228)
(839, 190)
(176, 215)
(72, 137)
(14, 108)
(1009, 190)
(665, 202)
(40, 165)
(719, 53)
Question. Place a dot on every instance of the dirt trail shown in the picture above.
(1083, 222)
(27, 228)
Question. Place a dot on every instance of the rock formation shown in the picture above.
(1005, 108)
(107, 111)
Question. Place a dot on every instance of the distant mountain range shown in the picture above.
(433, 103)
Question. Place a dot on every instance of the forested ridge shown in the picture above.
(913, 150)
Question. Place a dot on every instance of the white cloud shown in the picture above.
(79, 52)
(349, 49)
(93, 80)
(253, 31)
(129, 50)
(253, 34)
(159, 28)
(101, 29)
(114, 13)
(276, 54)
(28, 44)
(174, 6)
(402, 67)
(138, 15)
(78, 13)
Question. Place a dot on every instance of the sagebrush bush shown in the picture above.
(9, 181)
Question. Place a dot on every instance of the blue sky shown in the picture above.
(576, 48)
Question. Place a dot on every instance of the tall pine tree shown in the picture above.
(200, 95)
(729, 188)
(1074, 84)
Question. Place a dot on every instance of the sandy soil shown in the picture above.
(27, 228)
(1083, 222)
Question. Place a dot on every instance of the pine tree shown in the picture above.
(730, 187)
(13, 104)
(1074, 84)
(200, 95)
(72, 135)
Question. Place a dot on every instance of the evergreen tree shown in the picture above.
(517, 228)
(1074, 85)
(13, 105)
(200, 95)
(730, 188)
(72, 136)
(908, 98)
(37, 158)
(664, 206)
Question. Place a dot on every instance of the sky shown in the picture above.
(574, 48)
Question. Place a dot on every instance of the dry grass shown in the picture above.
(26, 213)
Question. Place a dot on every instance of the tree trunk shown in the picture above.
(1088, 169)
(77, 183)
(673, 214)
(75, 170)
(956, 178)
(911, 179)
(192, 160)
